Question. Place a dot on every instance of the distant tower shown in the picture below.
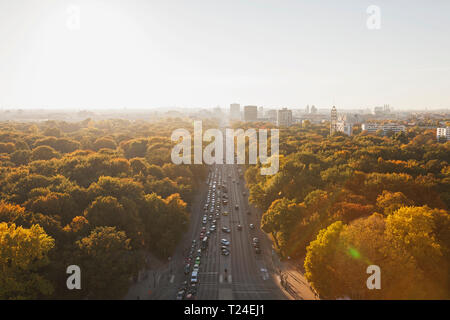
(307, 108)
(333, 123)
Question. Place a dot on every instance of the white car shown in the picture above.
(225, 242)
(194, 277)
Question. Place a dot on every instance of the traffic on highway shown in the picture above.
(224, 260)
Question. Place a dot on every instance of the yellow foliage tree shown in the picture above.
(23, 253)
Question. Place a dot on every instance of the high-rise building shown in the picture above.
(250, 113)
(333, 122)
(271, 115)
(307, 109)
(235, 111)
(284, 117)
(313, 109)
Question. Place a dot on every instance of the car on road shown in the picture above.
(193, 288)
(225, 213)
(180, 295)
(226, 229)
(236, 207)
(257, 250)
(196, 267)
(204, 221)
(252, 226)
(194, 277)
(239, 227)
(189, 296)
(187, 268)
(248, 212)
(225, 242)
(225, 252)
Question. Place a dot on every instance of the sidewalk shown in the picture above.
(150, 282)
(295, 285)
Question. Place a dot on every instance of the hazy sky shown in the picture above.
(204, 53)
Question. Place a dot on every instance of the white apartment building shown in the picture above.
(344, 127)
(374, 127)
(443, 133)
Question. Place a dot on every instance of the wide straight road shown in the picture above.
(241, 275)
(244, 273)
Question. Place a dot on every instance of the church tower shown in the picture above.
(333, 123)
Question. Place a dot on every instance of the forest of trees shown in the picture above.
(95, 194)
(342, 203)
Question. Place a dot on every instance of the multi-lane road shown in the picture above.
(244, 273)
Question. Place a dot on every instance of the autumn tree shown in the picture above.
(107, 262)
(23, 254)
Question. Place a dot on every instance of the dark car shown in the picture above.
(180, 295)
(187, 268)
